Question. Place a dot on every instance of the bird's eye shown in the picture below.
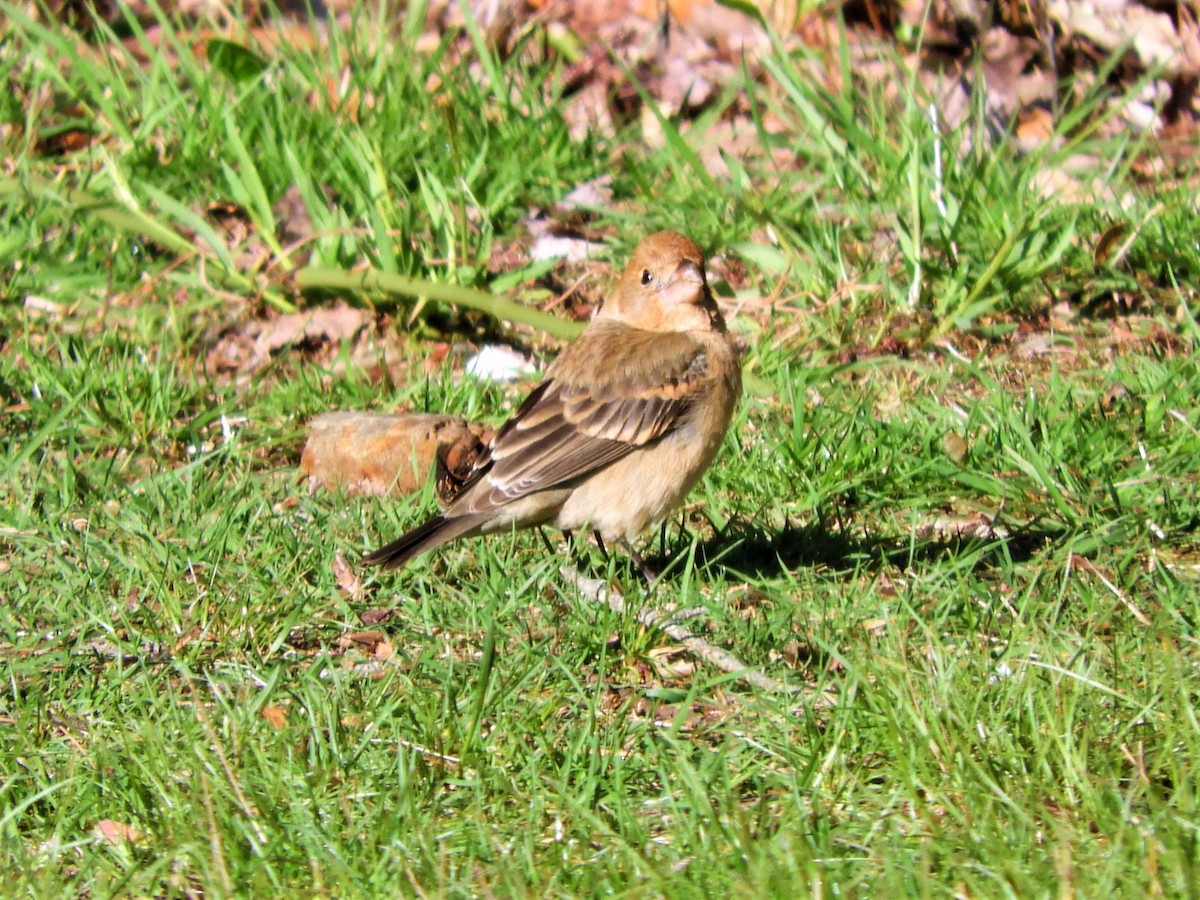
(646, 276)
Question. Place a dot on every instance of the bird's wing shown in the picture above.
(588, 413)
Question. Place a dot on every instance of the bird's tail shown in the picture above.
(438, 530)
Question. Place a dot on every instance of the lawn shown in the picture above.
(955, 518)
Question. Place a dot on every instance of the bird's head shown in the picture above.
(663, 288)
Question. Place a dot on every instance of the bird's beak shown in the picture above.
(686, 284)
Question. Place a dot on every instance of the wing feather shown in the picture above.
(569, 427)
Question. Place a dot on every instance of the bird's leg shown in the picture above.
(573, 550)
(546, 541)
(648, 573)
(600, 543)
(578, 552)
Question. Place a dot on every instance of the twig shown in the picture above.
(598, 591)
(430, 755)
(1088, 566)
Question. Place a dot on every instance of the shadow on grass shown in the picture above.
(746, 552)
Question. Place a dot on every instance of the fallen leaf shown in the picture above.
(586, 197)
(1109, 25)
(40, 307)
(1109, 240)
(326, 324)
(60, 143)
(295, 225)
(955, 447)
(371, 617)
(250, 346)
(275, 716)
(366, 641)
(874, 626)
(111, 831)
(347, 579)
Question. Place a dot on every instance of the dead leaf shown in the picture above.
(61, 143)
(955, 447)
(275, 716)
(1116, 398)
(1044, 343)
(113, 832)
(40, 307)
(1109, 241)
(324, 325)
(1035, 127)
(295, 225)
(366, 641)
(947, 528)
(672, 663)
(874, 626)
(585, 198)
(250, 346)
(347, 579)
(371, 617)
(1075, 180)
(1109, 25)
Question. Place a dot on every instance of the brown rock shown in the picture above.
(378, 454)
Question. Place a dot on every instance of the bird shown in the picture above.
(625, 422)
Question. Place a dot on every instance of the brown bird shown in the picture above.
(626, 421)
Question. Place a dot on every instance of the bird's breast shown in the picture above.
(624, 498)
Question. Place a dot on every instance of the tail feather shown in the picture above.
(436, 531)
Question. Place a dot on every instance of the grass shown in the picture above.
(984, 553)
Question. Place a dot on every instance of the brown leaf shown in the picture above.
(63, 142)
(250, 346)
(1151, 35)
(295, 224)
(1109, 240)
(331, 324)
(371, 617)
(969, 526)
(111, 831)
(275, 716)
(1035, 127)
(366, 641)
(1116, 398)
(456, 458)
(874, 626)
(955, 447)
(347, 579)
(672, 663)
